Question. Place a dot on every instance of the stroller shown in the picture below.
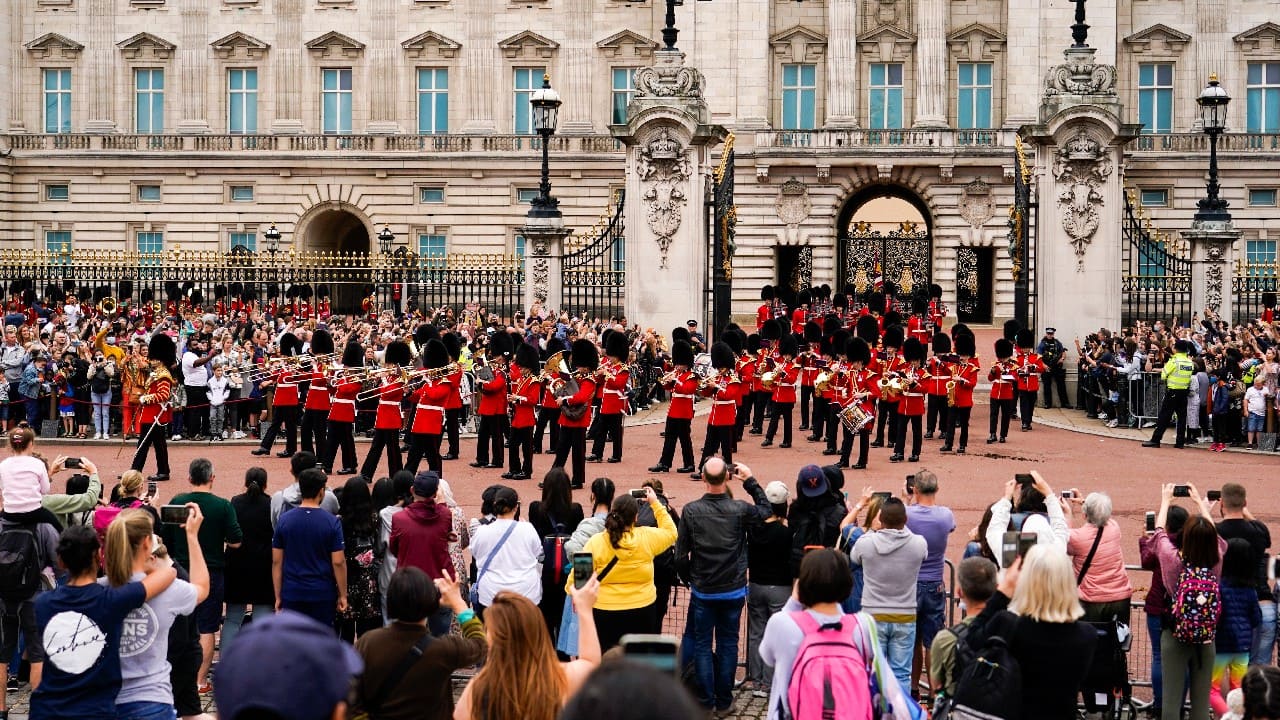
(1106, 688)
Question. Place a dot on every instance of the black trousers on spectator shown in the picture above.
(152, 436)
(452, 421)
(547, 418)
(573, 440)
(678, 429)
(1175, 402)
(819, 419)
(388, 440)
(900, 442)
(759, 402)
(492, 430)
(781, 411)
(719, 438)
(806, 396)
(937, 418)
(520, 451)
(197, 412)
(1026, 406)
(887, 414)
(959, 419)
(1056, 376)
(1002, 409)
(340, 436)
(424, 445)
(608, 426)
(313, 431)
(286, 415)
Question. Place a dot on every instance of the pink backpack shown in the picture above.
(830, 678)
(102, 518)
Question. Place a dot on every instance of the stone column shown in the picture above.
(931, 63)
(580, 54)
(1210, 43)
(1024, 74)
(483, 76)
(842, 64)
(669, 137)
(286, 61)
(11, 64)
(753, 67)
(1212, 258)
(100, 54)
(383, 64)
(193, 68)
(544, 262)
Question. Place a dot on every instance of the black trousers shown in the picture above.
(340, 436)
(819, 419)
(900, 442)
(520, 451)
(678, 429)
(806, 396)
(846, 447)
(781, 411)
(492, 431)
(1056, 376)
(197, 412)
(547, 418)
(1002, 409)
(1027, 406)
(452, 421)
(937, 418)
(608, 426)
(424, 445)
(959, 417)
(286, 415)
(759, 402)
(887, 417)
(157, 437)
(388, 440)
(719, 439)
(1175, 403)
(313, 432)
(833, 424)
(744, 414)
(573, 440)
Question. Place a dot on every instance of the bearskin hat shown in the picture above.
(722, 356)
(1004, 349)
(941, 343)
(53, 292)
(825, 348)
(68, 285)
(1269, 300)
(735, 339)
(893, 317)
(919, 305)
(424, 333)
(804, 297)
(875, 302)
(196, 296)
(236, 289)
(452, 344)
(840, 342)
(435, 354)
(753, 343)
(162, 350)
(1011, 328)
(353, 355)
(585, 354)
(273, 290)
(322, 291)
(772, 330)
(615, 346)
(251, 290)
(1025, 339)
(29, 297)
(321, 342)
(813, 332)
(787, 346)
(526, 356)
(289, 344)
(682, 353)
(219, 292)
(857, 350)
(935, 290)
(85, 293)
(101, 292)
(913, 349)
(824, 291)
(731, 326)
(868, 329)
(893, 336)
(681, 333)
(398, 353)
(960, 329)
(147, 296)
(965, 345)
(767, 293)
(500, 345)
(830, 324)
(291, 292)
(840, 301)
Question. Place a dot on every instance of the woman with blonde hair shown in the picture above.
(1036, 611)
(522, 677)
(146, 692)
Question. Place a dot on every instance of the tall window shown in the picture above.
(526, 81)
(1263, 97)
(151, 266)
(1155, 97)
(624, 88)
(433, 100)
(58, 241)
(148, 93)
(619, 253)
(799, 96)
(974, 96)
(519, 246)
(335, 110)
(150, 241)
(242, 101)
(431, 251)
(57, 100)
(885, 96)
(247, 239)
(1260, 256)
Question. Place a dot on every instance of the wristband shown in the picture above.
(466, 616)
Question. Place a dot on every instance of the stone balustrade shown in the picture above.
(310, 144)
(1199, 143)
(790, 141)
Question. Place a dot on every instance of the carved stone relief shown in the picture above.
(793, 205)
(977, 205)
(1213, 278)
(1080, 168)
(669, 81)
(663, 169)
(541, 273)
(1080, 75)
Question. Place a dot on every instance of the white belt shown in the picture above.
(725, 402)
(282, 386)
(437, 408)
(389, 402)
(681, 395)
(335, 401)
(618, 393)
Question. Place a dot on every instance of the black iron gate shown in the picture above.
(594, 272)
(898, 262)
(724, 234)
(1157, 274)
(1253, 278)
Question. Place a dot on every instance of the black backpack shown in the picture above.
(555, 561)
(990, 680)
(19, 563)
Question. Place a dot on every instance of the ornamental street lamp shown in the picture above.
(385, 239)
(1213, 102)
(273, 239)
(546, 111)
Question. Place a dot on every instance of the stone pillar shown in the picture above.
(193, 68)
(1212, 258)
(669, 137)
(842, 61)
(383, 64)
(544, 262)
(931, 63)
(1023, 67)
(1210, 43)
(286, 61)
(579, 53)
(100, 55)
(481, 67)
(752, 68)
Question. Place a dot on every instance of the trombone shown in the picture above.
(417, 378)
(272, 366)
(377, 391)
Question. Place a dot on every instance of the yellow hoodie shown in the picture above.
(629, 585)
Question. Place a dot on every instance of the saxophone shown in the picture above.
(951, 393)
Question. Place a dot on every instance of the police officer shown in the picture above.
(1177, 375)
(1054, 355)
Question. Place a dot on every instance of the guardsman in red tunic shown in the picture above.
(525, 391)
(937, 311)
(614, 377)
(861, 390)
(342, 411)
(965, 379)
(800, 315)
(285, 402)
(388, 420)
(315, 410)
(1029, 368)
(323, 306)
(154, 415)
(723, 389)
(454, 412)
(575, 411)
(911, 408)
(682, 385)
(745, 366)
(786, 381)
(810, 364)
(891, 366)
(492, 382)
(836, 392)
(1004, 378)
(429, 400)
(938, 373)
(766, 361)
(548, 419)
(764, 313)
(918, 323)
(1268, 308)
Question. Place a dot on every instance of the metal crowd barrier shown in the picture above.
(1146, 396)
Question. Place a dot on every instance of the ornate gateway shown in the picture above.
(898, 262)
(1157, 271)
(594, 269)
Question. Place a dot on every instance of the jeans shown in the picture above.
(718, 620)
(234, 621)
(763, 602)
(1264, 636)
(101, 412)
(898, 640)
(145, 711)
(1157, 672)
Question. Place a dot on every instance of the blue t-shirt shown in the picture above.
(308, 536)
(934, 523)
(81, 629)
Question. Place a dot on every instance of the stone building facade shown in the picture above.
(150, 124)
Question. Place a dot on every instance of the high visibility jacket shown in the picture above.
(1177, 373)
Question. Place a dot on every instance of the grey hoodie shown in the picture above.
(890, 561)
(291, 497)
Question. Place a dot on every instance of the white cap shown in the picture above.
(777, 492)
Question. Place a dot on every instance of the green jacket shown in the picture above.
(65, 506)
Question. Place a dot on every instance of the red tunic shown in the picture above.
(724, 404)
(1002, 380)
(159, 389)
(912, 402)
(764, 314)
(430, 399)
(390, 393)
(586, 391)
(682, 390)
(1029, 368)
(454, 401)
(919, 329)
(613, 398)
(940, 372)
(785, 381)
(966, 381)
(493, 395)
(548, 397)
(318, 394)
(809, 370)
(799, 317)
(286, 392)
(525, 394)
(937, 311)
(343, 405)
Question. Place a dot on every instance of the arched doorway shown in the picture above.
(339, 230)
(885, 243)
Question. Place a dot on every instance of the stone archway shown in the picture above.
(340, 228)
(884, 236)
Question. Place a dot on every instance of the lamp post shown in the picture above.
(1213, 102)
(385, 239)
(546, 112)
(272, 236)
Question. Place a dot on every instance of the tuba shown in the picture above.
(108, 306)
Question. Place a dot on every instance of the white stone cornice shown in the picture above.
(238, 43)
(1263, 39)
(799, 44)
(334, 44)
(1158, 38)
(431, 42)
(616, 45)
(145, 44)
(528, 44)
(51, 44)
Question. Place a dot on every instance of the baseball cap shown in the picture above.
(426, 484)
(812, 481)
(777, 492)
(287, 664)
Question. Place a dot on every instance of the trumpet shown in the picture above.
(422, 375)
(377, 391)
(108, 306)
(273, 366)
(725, 375)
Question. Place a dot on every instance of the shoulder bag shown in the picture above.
(475, 587)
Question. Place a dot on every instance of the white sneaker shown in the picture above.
(175, 438)
(225, 435)
(1102, 416)
(237, 435)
